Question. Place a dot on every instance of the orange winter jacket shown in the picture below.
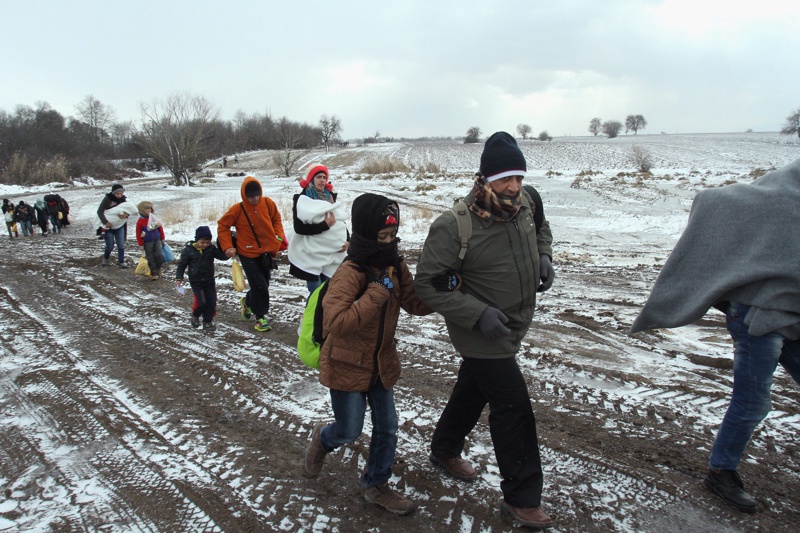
(265, 219)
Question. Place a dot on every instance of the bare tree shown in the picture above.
(473, 135)
(331, 128)
(635, 123)
(98, 116)
(524, 130)
(294, 142)
(176, 131)
(595, 126)
(792, 125)
(544, 136)
(641, 158)
(611, 128)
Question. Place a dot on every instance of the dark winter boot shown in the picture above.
(729, 486)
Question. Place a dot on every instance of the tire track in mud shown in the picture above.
(79, 418)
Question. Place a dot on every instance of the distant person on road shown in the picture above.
(319, 242)
(739, 253)
(114, 232)
(53, 210)
(259, 238)
(8, 215)
(198, 257)
(487, 300)
(150, 236)
(359, 362)
(42, 215)
(25, 216)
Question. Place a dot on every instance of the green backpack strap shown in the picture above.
(464, 222)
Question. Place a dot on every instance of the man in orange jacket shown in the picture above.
(259, 237)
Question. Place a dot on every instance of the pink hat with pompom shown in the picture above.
(312, 173)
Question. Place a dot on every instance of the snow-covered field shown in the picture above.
(625, 422)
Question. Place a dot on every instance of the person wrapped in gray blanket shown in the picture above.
(740, 253)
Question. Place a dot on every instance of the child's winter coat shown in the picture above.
(200, 264)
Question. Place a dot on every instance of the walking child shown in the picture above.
(150, 236)
(359, 362)
(198, 257)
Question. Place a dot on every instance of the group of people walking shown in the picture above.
(482, 267)
(50, 213)
(487, 295)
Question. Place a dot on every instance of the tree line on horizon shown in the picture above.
(181, 132)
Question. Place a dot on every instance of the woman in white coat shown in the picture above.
(319, 241)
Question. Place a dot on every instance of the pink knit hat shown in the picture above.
(312, 172)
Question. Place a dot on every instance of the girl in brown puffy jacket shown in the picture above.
(359, 362)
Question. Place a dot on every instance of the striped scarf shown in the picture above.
(492, 206)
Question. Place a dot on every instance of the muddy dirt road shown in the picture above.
(117, 416)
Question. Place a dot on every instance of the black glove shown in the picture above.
(447, 281)
(546, 273)
(492, 323)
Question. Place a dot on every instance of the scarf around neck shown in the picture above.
(372, 253)
(492, 206)
(314, 194)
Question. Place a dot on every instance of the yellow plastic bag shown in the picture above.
(238, 276)
(142, 268)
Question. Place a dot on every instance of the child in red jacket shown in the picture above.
(150, 236)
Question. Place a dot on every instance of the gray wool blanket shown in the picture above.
(741, 244)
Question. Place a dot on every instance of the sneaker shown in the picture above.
(532, 517)
(456, 467)
(262, 325)
(247, 313)
(195, 321)
(315, 452)
(209, 326)
(390, 500)
(123, 265)
(729, 486)
(105, 262)
(153, 277)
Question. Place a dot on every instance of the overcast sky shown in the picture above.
(417, 68)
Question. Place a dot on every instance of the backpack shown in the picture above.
(464, 221)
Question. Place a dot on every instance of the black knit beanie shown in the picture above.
(117, 187)
(502, 157)
(252, 189)
(373, 212)
(203, 232)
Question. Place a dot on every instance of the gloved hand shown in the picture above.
(492, 323)
(386, 279)
(546, 273)
(447, 281)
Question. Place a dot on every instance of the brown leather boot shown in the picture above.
(316, 452)
(456, 467)
(533, 517)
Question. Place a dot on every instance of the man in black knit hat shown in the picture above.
(487, 315)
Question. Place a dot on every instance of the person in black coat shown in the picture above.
(198, 257)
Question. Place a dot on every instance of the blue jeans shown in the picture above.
(27, 227)
(117, 235)
(349, 409)
(312, 285)
(754, 362)
(55, 223)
